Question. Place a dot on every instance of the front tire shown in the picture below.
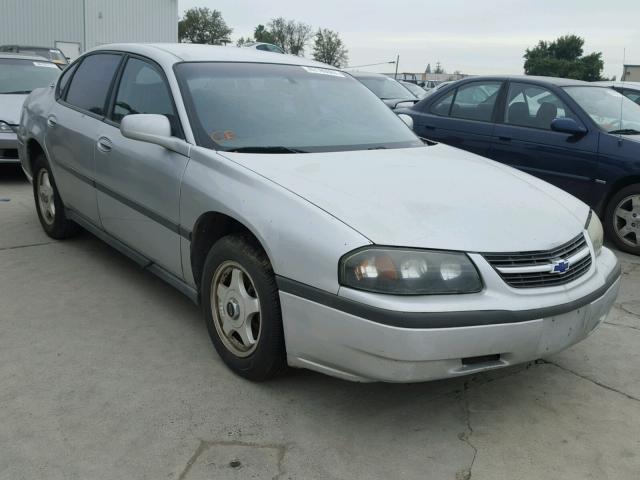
(623, 219)
(241, 307)
(49, 206)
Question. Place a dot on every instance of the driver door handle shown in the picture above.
(51, 121)
(104, 144)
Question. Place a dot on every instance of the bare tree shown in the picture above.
(290, 35)
(329, 48)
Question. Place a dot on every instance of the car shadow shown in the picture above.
(12, 174)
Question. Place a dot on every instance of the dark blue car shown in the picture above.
(578, 136)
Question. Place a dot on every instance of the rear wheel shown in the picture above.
(48, 203)
(242, 308)
(623, 219)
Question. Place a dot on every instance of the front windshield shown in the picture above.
(252, 106)
(19, 76)
(386, 87)
(611, 111)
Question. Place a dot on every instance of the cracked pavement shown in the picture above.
(106, 372)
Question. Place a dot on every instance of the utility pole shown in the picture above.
(395, 76)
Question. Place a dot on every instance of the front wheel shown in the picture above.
(623, 219)
(242, 308)
(49, 205)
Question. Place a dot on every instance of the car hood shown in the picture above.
(11, 108)
(429, 197)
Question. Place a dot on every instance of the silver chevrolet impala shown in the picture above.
(313, 227)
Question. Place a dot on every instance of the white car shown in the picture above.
(19, 75)
(250, 182)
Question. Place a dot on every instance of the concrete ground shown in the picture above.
(108, 373)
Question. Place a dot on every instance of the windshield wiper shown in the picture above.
(625, 131)
(267, 149)
(17, 92)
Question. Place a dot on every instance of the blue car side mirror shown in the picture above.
(568, 125)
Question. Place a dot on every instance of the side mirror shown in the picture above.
(404, 104)
(154, 129)
(567, 125)
(406, 119)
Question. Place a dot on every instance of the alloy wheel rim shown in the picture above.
(235, 306)
(626, 220)
(46, 197)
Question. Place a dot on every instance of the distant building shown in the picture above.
(75, 26)
(631, 73)
(422, 78)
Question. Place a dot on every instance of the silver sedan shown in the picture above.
(312, 225)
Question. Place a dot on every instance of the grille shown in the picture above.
(11, 153)
(535, 269)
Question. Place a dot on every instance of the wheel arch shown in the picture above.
(615, 188)
(208, 229)
(32, 149)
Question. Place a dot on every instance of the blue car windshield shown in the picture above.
(273, 108)
(612, 111)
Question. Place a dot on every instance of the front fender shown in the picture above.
(302, 241)
(33, 126)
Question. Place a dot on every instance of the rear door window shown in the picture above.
(442, 106)
(476, 101)
(90, 84)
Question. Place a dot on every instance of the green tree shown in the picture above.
(201, 25)
(563, 58)
(329, 48)
(290, 35)
(261, 34)
(438, 68)
(241, 41)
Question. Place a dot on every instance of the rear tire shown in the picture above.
(241, 307)
(49, 206)
(622, 219)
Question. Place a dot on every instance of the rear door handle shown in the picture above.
(51, 121)
(504, 139)
(104, 144)
(429, 127)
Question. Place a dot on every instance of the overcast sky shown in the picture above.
(476, 37)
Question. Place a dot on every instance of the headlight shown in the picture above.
(401, 271)
(5, 127)
(594, 229)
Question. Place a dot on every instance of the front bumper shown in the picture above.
(9, 148)
(322, 336)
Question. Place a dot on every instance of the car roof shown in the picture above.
(610, 83)
(358, 74)
(559, 82)
(20, 56)
(13, 45)
(171, 53)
